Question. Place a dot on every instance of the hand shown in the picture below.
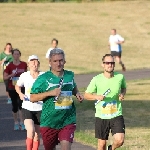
(56, 92)
(21, 95)
(79, 97)
(14, 72)
(12, 75)
(99, 97)
(121, 97)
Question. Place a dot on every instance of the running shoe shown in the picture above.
(9, 101)
(22, 126)
(16, 127)
(109, 147)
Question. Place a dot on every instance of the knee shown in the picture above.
(101, 144)
(30, 133)
(36, 136)
(14, 109)
(119, 141)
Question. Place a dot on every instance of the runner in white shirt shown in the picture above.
(115, 41)
(31, 111)
(54, 43)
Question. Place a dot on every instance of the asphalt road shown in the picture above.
(15, 140)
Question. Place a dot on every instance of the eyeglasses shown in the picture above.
(107, 63)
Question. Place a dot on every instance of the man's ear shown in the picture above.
(64, 62)
(102, 65)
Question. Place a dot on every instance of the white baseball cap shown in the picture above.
(33, 57)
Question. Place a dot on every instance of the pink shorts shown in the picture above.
(51, 137)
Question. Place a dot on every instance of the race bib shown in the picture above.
(109, 108)
(64, 101)
(14, 80)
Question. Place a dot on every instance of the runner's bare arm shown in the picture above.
(18, 90)
(42, 96)
(2, 61)
(7, 76)
(76, 93)
(122, 93)
(92, 96)
(120, 42)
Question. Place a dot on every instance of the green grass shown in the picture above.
(82, 30)
(136, 114)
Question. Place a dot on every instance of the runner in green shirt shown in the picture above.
(108, 89)
(6, 56)
(5, 59)
(55, 88)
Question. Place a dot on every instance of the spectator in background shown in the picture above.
(5, 59)
(12, 73)
(54, 44)
(115, 42)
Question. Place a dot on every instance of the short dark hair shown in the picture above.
(106, 55)
(16, 49)
(54, 39)
(114, 29)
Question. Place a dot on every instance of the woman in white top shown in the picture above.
(54, 44)
(31, 111)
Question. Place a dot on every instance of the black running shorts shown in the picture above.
(114, 53)
(34, 115)
(103, 127)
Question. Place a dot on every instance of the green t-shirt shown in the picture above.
(61, 113)
(9, 59)
(110, 107)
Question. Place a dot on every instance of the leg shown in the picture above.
(118, 140)
(21, 117)
(36, 139)
(101, 144)
(13, 96)
(102, 128)
(8, 97)
(66, 136)
(32, 126)
(29, 125)
(20, 107)
(15, 116)
(118, 131)
(65, 145)
(50, 137)
(118, 59)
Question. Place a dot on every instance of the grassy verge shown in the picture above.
(136, 113)
(82, 29)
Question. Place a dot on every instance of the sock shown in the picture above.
(36, 145)
(29, 143)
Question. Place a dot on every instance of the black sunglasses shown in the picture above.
(107, 63)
